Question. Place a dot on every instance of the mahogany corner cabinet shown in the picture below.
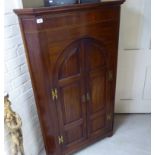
(72, 57)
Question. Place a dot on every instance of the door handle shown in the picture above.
(83, 98)
(88, 97)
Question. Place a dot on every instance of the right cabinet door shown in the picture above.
(98, 77)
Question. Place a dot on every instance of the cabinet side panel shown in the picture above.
(40, 82)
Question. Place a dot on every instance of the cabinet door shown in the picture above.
(98, 95)
(71, 106)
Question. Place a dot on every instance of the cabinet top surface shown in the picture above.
(71, 7)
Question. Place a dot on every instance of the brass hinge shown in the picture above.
(60, 139)
(110, 75)
(109, 117)
(54, 93)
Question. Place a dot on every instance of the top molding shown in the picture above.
(64, 8)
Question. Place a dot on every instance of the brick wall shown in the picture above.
(18, 83)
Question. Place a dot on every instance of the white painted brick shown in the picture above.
(27, 85)
(10, 19)
(8, 5)
(24, 68)
(7, 86)
(12, 42)
(25, 106)
(20, 50)
(8, 32)
(13, 74)
(5, 68)
(28, 94)
(14, 93)
(11, 30)
(10, 54)
(13, 63)
(20, 80)
(25, 96)
(16, 29)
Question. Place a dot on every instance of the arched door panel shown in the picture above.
(97, 68)
(71, 107)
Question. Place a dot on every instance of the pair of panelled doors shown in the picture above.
(82, 89)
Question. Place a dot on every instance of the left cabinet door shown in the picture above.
(70, 103)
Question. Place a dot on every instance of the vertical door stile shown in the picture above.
(83, 80)
(59, 112)
(87, 89)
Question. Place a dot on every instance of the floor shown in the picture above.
(132, 136)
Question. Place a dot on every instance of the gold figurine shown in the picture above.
(13, 123)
